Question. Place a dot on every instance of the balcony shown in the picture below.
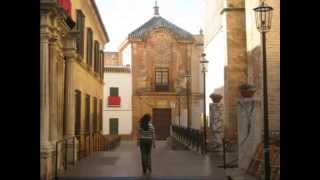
(162, 87)
(66, 5)
(114, 101)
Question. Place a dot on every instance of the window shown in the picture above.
(162, 79)
(101, 64)
(77, 111)
(101, 115)
(96, 56)
(80, 27)
(89, 46)
(95, 115)
(114, 91)
(114, 126)
(87, 128)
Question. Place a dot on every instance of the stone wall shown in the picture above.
(111, 58)
(236, 63)
(161, 49)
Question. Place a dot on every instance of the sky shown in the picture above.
(121, 17)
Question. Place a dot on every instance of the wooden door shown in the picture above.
(162, 121)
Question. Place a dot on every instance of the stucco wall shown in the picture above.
(91, 20)
(124, 82)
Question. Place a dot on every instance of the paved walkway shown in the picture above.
(124, 163)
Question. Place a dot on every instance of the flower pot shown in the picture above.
(216, 98)
(247, 90)
(247, 93)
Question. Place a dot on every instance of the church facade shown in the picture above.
(163, 56)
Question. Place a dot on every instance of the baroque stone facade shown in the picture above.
(64, 75)
(161, 44)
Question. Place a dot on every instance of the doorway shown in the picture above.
(162, 122)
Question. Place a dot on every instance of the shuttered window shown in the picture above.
(80, 27)
(114, 91)
(87, 128)
(96, 56)
(95, 114)
(101, 64)
(101, 115)
(114, 126)
(89, 46)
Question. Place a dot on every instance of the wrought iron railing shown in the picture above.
(192, 138)
(228, 145)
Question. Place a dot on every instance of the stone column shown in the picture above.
(249, 129)
(46, 169)
(70, 58)
(44, 90)
(53, 89)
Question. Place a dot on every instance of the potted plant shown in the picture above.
(216, 98)
(247, 90)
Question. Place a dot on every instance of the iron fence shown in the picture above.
(193, 138)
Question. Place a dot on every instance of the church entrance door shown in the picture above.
(161, 122)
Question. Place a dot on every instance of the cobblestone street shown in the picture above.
(124, 163)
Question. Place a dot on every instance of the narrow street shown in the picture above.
(124, 163)
(200, 77)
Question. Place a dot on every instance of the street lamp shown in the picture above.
(187, 77)
(263, 15)
(204, 69)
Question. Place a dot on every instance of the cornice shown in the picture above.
(231, 9)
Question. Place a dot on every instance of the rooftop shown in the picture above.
(159, 22)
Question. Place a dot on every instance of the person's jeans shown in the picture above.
(145, 148)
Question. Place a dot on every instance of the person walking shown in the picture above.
(146, 139)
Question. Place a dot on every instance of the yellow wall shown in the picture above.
(91, 20)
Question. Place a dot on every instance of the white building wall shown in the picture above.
(124, 112)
